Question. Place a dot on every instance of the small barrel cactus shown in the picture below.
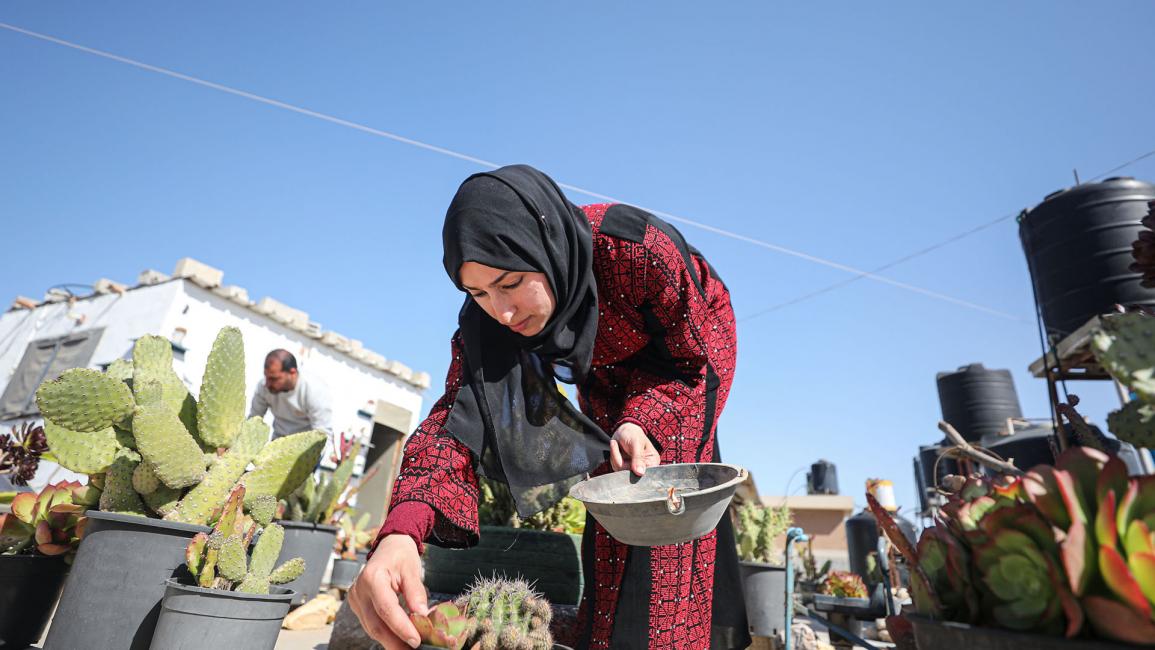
(491, 614)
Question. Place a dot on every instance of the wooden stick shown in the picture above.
(966, 449)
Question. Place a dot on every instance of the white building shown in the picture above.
(374, 398)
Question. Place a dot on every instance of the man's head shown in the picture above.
(280, 371)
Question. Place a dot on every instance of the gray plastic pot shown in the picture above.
(29, 585)
(314, 543)
(344, 572)
(764, 586)
(193, 618)
(112, 596)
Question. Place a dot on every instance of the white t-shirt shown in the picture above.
(305, 407)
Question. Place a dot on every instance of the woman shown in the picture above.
(611, 299)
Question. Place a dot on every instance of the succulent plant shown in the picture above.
(159, 451)
(1048, 552)
(20, 452)
(757, 530)
(319, 501)
(218, 560)
(1143, 249)
(354, 535)
(51, 523)
(844, 584)
(446, 626)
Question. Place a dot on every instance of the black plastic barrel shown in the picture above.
(1078, 248)
(862, 540)
(928, 455)
(1027, 447)
(822, 479)
(978, 401)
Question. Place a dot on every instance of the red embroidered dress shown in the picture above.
(664, 359)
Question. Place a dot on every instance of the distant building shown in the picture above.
(378, 400)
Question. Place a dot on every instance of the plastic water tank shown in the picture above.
(978, 401)
(1078, 248)
(822, 478)
(1028, 447)
(862, 540)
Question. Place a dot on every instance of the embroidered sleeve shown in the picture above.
(438, 470)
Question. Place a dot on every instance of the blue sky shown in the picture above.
(850, 131)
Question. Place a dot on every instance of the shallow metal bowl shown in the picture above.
(670, 504)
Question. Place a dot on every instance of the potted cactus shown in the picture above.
(38, 540)
(164, 464)
(229, 599)
(544, 549)
(757, 529)
(310, 515)
(353, 537)
(490, 614)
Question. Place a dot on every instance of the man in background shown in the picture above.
(298, 403)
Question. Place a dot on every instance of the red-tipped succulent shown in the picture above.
(446, 626)
(49, 523)
(1049, 552)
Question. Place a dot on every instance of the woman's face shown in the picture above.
(519, 300)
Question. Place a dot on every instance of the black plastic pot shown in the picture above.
(29, 585)
(550, 561)
(112, 596)
(946, 635)
(764, 586)
(314, 543)
(344, 572)
(192, 618)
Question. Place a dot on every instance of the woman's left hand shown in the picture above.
(630, 443)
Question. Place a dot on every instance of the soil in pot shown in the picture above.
(112, 595)
(193, 618)
(29, 586)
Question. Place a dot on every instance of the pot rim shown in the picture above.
(289, 523)
(284, 595)
(138, 520)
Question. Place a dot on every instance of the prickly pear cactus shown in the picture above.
(82, 400)
(284, 463)
(221, 408)
(255, 576)
(146, 443)
(1125, 345)
(1134, 423)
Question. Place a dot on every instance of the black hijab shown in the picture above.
(511, 415)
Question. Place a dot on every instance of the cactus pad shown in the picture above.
(120, 370)
(84, 400)
(288, 572)
(266, 550)
(167, 445)
(231, 561)
(1125, 345)
(118, 495)
(284, 464)
(263, 510)
(222, 401)
(88, 452)
(152, 361)
(1134, 423)
(144, 479)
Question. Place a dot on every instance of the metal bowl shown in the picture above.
(670, 504)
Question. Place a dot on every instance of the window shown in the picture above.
(45, 359)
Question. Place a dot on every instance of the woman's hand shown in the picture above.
(394, 569)
(630, 443)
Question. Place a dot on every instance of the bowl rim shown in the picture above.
(739, 478)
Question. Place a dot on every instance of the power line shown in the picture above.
(906, 258)
(859, 273)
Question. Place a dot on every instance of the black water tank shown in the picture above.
(1028, 447)
(822, 478)
(862, 539)
(928, 455)
(1078, 247)
(977, 401)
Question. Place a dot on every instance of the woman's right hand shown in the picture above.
(394, 570)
